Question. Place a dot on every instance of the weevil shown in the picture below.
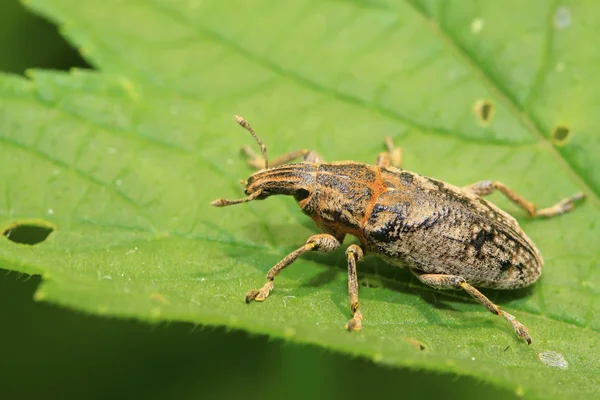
(449, 237)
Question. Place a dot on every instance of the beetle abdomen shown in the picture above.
(438, 228)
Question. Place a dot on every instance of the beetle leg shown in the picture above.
(257, 162)
(321, 242)
(354, 253)
(313, 156)
(439, 281)
(483, 188)
(391, 157)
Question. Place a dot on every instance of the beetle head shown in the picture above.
(296, 179)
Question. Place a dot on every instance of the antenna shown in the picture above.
(246, 126)
(225, 202)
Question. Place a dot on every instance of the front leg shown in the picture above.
(260, 162)
(321, 242)
(257, 162)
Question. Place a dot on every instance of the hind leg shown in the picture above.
(439, 281)
(484, 188)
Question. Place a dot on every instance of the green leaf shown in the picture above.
(123, 164)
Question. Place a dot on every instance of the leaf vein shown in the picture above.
(313, 85)
(494, 85)
(83, 175)
(538, 80)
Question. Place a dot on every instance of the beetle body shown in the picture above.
(410, 220)
(449, 237)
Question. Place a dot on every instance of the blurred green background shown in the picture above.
(53, 352)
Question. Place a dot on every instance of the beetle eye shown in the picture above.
(301, 194)
(264, 194)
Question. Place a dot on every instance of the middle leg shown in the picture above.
(354, 253)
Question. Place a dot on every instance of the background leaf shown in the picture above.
(124, 164)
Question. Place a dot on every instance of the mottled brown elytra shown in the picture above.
(448, 236)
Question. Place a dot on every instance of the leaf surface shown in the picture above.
(124, 162)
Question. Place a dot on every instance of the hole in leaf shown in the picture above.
(484, 111)
(28, 233)
(561, 135)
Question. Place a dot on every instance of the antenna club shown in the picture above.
(246, 126)
(219, 203)
(225, 202)
(241, 121)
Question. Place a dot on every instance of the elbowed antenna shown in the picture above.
(263, 150)
(246, 126)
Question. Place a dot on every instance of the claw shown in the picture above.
(251, 295)
(355, 324)
(261, 294)
(260, 297)
(523, 333)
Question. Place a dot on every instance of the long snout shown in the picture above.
(285, 179)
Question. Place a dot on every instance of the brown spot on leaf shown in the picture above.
(484, 111)
(561, 135)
